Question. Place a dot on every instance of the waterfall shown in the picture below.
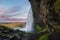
(29, 23)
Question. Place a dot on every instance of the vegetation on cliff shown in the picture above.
(47, 12)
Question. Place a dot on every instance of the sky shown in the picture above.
(14, 9)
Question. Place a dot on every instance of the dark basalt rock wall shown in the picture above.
(46, 12)
(39, 12)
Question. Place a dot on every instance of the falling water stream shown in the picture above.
(29, 23)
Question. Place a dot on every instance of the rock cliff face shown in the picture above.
(46, 12)
(39, 11)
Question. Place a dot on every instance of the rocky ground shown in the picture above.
(10, 34)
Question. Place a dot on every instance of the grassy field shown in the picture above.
(13, 24)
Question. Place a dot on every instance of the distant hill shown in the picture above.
(13, 24)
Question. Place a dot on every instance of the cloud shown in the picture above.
(2, 11)
(13, 9)
(13, 12)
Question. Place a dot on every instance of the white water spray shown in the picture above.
(29, 24)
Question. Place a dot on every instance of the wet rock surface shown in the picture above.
(10, 34)
(55, 36)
